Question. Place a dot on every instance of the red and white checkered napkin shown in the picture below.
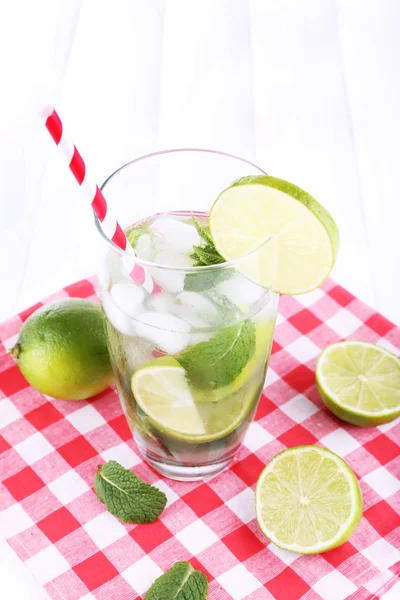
(50, 450)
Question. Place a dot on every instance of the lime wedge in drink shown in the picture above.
(294, 240)
(308, 500)
(264, 334)
(360, 382)
(162, 391)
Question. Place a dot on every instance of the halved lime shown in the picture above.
(360, 382)
(301, 238)
(162, 391)
(308, 500)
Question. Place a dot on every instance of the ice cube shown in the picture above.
(167, 332)
(195, 308)
(104, 276)
(170, 233)
(112, 270)
(173, 258)
(171, 280)
(199, 304)
(240, 290)
(129, 297)
(188, 315)
(161, 303)
(166, 304)
(118, 319)
(144, 247)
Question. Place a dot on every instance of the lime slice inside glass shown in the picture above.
(308, 500)
(360, 382)
(293, 239)
(163, 393)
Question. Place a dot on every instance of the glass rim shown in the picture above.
(150, 264)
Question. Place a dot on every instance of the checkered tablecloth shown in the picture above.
(49, 451)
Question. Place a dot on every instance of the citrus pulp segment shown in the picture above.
(291, 239)
(308, 500)
(360, 382)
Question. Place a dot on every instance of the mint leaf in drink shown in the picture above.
(205, 255)
(134, 233)
(181, 582)
(126, 496)
(217, 362)
(205, 280)
(202, 231)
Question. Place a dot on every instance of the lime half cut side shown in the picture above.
(292, 240)
(162, 391)
(360, 382)
(308, 500)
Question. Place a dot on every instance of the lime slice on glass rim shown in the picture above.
(360, 382)
(296, 238)
(308, 500)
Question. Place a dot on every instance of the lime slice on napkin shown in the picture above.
(360, 382)
(308, 500)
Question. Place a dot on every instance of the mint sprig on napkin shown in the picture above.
(181, 582)
(126, 496)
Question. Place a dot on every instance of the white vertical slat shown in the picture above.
(369, 33)
(303, 126)
(33, 64)
(110, 105)
(206, 80)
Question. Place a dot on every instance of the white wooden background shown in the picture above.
(309, 90)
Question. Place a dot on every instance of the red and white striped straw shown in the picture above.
(109, 223)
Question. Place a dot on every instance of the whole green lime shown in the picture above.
(62, 350)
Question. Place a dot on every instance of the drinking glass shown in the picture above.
(197, 346)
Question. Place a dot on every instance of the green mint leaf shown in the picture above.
(126, 496)
(205, 280)
(207, 255)
(134, 233)
(202, 232)
(181, 582)
(217, 362)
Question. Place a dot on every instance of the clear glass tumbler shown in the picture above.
(189, 361)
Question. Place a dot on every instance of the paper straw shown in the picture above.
(109, 223)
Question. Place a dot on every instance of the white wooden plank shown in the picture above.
(33, 67)
(303, 125)
(369, 33)
(110, 105)
(206, 79)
